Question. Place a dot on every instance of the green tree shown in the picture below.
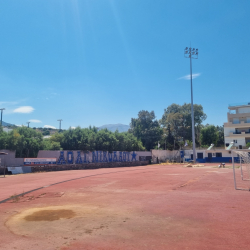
(209, 135)
(179, 119)
(146, 128)
(26, 141)
(220, 130)
(169, 139)
(51, 145)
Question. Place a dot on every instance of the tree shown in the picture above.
(179, 119)
(51, 145)
(209, 135)
(26, 141)
(146, 128)
(90, 139)
(169, 140)
(220, 130)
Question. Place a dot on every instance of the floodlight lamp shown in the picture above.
(193, 49)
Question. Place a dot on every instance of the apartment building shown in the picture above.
(237, 127)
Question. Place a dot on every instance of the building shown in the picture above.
(237, 127)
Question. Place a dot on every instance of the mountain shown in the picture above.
(5, 124)
(114, 127)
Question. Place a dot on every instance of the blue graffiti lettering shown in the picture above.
(61, 159)
(95, 156)
(105, 159)
(110, 157)
(120, 156)
(78, 158)
(115, 156)
(100, 156)
(134, 156)
(124, 156)
(85, 158)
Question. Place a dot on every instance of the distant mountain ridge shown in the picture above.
(6, 124)
(114, 127)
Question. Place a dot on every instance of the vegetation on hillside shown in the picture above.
(172, 131)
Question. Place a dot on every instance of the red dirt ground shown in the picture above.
(149, 207)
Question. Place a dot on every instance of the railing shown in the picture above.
(242, 132)
(239, 104)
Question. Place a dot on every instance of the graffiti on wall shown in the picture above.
(95, 156)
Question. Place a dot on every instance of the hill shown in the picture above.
(6, 124)
(114, 127)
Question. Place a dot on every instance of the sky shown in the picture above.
(96, 62)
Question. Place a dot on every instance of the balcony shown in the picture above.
(239, 104)
(240, 134)
(239, 115)
(242, 124)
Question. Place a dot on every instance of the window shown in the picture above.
(236, 120)
(235, 141)
(218, 154)
(200, 155)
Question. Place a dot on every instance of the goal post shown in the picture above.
(241, 169)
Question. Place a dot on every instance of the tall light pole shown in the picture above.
(59, 120)
(2, 116)
(28, 124)
(192, 53)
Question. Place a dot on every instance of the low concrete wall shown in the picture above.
(87, 156)
(87, 166)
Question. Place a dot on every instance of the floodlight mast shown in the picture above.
(192, 53)
(28, 124)
(60, 120)
(2, 116)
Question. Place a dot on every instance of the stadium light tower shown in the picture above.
(2, 115)
(28, 124)
(192, 53)
(59, 120)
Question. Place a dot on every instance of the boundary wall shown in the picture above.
(217, 155)
(73, 159)
(87, 166)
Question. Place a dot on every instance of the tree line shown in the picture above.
(27, 141)
(172, 131)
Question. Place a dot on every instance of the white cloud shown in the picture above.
(73, 127)
(187, 77)
(35, 121)
(48, 126)
(24, 109)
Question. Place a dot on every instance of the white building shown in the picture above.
(237, 127)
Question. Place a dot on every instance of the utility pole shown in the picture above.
(60, 120)
(28, 124)
(192, 53)
(2, 116)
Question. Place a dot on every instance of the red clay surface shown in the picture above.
(148, 207)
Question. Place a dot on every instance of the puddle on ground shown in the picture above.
(50, 215)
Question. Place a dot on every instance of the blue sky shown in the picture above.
(96, 62)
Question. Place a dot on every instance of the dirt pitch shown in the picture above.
(148, 207)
